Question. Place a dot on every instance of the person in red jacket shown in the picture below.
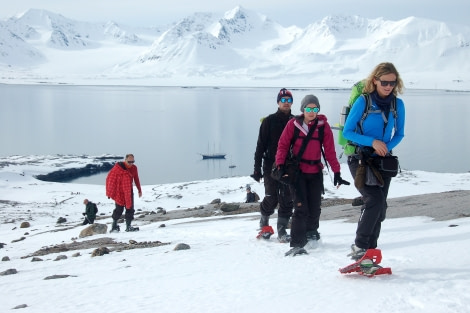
(309, 187)
(119, 187)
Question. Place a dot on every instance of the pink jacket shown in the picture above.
(312, 151)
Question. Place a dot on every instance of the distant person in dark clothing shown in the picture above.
(90, 212)
(250, 196)
(119, 187)
(266, 147)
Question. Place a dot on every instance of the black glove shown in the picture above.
(339, 181)
(257, 175)
(282, 170)
(83, 214)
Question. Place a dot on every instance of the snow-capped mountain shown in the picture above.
(241, 45)
(58, 32)
(14, 49)
(204, 43)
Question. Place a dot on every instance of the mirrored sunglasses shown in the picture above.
(288, 100)
(310, 110)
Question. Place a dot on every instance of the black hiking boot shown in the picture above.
(282, 235)
(313, 235)
(284, 238)
(356, 252)
(115, 227)
(296, 251)
(129, 227)
(264, 221)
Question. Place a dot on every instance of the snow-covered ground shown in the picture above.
(226, 269)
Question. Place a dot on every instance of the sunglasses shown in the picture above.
(310, 110)
(284, 100)
(131, 162)
(384, 83)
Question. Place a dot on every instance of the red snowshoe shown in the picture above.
(265, 232)
(368, 265)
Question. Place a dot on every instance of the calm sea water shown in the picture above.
(167, 128)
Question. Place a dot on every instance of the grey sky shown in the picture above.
(293, 12)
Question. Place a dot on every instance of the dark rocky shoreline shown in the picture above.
(66, 175)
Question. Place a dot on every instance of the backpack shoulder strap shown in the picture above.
(367, 109)
(306, 139)
(393, 109)
(321, 134)
(295, 136)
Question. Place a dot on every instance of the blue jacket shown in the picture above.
(373, 125)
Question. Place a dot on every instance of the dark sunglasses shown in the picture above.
(284, 100)
(131, 162)
(314, 110)
(384, 83)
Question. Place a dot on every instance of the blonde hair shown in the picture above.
(380, 70)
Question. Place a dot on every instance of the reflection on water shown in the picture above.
(167, 128)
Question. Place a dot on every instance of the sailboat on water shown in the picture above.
(213, 155)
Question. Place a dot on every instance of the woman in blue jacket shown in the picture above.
(375, 136)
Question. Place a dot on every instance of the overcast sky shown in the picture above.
(293, 12)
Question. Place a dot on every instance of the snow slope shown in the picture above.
(226, 269)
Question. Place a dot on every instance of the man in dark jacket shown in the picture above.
(250, 196)
(266, 147)
(90, 213)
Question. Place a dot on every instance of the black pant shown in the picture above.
(373, 211)
(307, 207)
(129, 215)
(276, 193)
(88, 221)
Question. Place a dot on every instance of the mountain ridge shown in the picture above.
(239, 46)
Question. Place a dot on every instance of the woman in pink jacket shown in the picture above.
(308, 189)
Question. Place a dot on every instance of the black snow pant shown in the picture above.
(88, 220)
(129, 215)
(276, 193)
(373, 211)
(307, 207)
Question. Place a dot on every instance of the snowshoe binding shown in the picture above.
(296, 251)
(284, 238)
(265, 233)
(367, 265)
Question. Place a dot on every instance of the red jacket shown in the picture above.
(312, 151)
(119, 183)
